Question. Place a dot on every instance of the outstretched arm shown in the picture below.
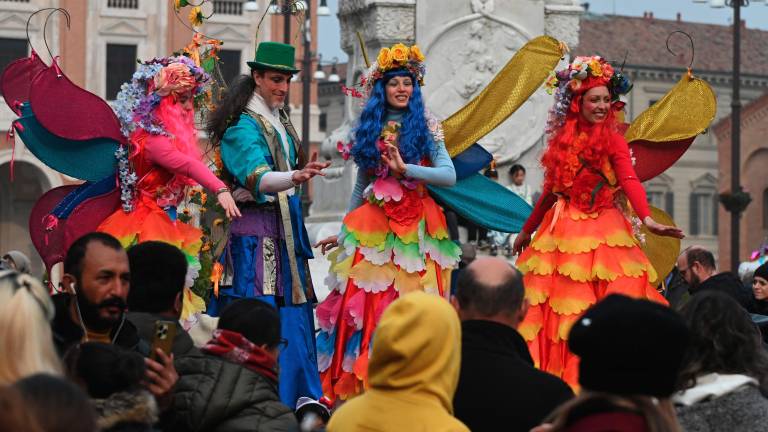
(160, 150)
(633, 189)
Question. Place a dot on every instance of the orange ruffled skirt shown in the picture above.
(574, 260)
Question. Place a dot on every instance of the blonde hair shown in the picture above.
(26, 340)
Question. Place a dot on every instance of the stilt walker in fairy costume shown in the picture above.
(394, 238)
(156, 110)
(136, 161)
(588, 240)
(268, 247)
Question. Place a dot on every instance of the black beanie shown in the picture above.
(629, 347)
(762, 271)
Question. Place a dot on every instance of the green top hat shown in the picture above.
(274, 56)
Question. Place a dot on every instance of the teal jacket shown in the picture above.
(245, 154)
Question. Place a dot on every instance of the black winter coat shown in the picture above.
(213, 394)
(499, 389)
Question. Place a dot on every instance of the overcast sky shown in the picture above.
(756, 16)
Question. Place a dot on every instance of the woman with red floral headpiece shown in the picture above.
(585, 246)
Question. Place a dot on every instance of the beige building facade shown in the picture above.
(98, 52)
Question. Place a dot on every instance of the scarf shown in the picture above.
(258, 105)
(234, 347)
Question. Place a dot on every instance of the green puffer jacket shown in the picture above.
(213, 394)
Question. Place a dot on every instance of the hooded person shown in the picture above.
(413, 370)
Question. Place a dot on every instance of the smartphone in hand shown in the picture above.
(165, 332)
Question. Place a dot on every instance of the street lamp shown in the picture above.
(735, 201)
(323, 9)
(251, 6)
(334, 76)
(319, 73)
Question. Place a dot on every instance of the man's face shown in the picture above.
(688, 273)
(273, 87)
(102, 291)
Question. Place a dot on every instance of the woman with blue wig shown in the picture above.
(394, 238)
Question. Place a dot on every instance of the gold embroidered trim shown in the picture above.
(253, 178)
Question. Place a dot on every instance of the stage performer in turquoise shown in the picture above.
(268, 247)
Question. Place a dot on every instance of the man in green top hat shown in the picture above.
(268, 246)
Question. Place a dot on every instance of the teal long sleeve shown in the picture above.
(441, 173)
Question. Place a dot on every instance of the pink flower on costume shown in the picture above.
(344, 148)
(174, 78)
(387, 188)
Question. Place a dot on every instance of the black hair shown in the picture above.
(723, 340)
(703, 256)
(228, 109)
(73, 262)
(256, 320)
(158, 272)
(489, 300)
(105, 369)
(515, 168)
(57, 404)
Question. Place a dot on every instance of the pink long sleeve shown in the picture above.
(161, 151)
(627, 178)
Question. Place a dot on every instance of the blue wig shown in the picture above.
(415, 141)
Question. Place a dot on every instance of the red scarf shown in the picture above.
(234, 347)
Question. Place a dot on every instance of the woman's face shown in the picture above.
(595, 104)
(399, 90)
(760, 288)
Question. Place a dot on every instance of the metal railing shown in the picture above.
(123, 4)
(228, 7)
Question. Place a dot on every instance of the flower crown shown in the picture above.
(398, 56)
(135, 104)
(581, 75)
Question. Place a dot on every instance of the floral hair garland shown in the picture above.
(136, 103)
(571, 81)
(398, 56)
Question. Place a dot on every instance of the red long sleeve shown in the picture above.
(161, 151)
(625, 174)
(545, 202)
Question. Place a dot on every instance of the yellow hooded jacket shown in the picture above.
(413, 372)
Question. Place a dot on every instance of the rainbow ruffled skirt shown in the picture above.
(148, 222)
(574, 260)
(385, 250)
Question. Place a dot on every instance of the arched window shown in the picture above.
(659, 193)
(704, 206)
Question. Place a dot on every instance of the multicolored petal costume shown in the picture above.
(395, 242)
